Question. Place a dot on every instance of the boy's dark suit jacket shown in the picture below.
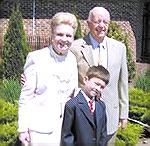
(80, 128)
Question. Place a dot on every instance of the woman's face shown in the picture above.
(62, 38)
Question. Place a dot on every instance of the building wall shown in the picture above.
(128, 13)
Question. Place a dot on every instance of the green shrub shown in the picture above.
(8, 112)
(130, 136)
(8, 132)
(146, 117)
(15, 47)
(8, 123)
(10, 90)
(139, 105)
(119, 142)
(139, 98)
(137, 112)
(143, 81)
(116, 32)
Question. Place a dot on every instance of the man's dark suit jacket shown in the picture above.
(80, 127)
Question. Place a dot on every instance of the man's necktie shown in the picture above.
(99, 55)
(91, 105)
(103, 56)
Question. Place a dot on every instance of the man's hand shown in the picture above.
(123, 123)
(24, 137)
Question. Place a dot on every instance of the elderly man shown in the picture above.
(96, 48)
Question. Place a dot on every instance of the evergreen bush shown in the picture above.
(79, 33)
(15, 47)
(1, 70)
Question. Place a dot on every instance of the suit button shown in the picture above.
(94, 139)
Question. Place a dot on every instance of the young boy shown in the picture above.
(84, 124)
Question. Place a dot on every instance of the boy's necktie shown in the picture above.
(91, 105)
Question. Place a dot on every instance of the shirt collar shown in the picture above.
(95, 43)
(56, 56)
(86, 97)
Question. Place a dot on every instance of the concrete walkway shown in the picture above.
(144, 142)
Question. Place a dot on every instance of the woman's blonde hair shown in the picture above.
(64, 18)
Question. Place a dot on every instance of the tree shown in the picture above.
(15, 47)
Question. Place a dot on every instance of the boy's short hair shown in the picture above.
(98, 72)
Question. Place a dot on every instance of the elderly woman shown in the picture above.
(51, 77)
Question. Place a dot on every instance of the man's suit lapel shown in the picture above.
(87, 51)
(83, 105)
(110, 52)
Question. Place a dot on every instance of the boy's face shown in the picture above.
(93, 87)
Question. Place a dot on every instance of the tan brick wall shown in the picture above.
(43, 30)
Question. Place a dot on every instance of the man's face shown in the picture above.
(98, 25)
(62, 38)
